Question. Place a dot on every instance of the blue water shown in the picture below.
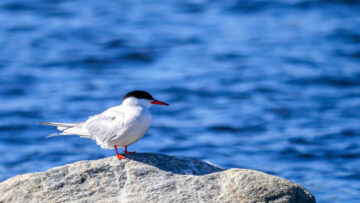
(266, 85)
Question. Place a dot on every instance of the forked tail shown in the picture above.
(68, 129)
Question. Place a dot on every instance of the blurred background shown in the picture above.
(266, 85)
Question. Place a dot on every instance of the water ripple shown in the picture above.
(267, 85)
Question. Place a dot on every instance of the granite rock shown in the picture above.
(143, 177)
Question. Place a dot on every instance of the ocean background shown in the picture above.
(266, 85)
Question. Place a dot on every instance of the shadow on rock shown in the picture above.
(178, 165)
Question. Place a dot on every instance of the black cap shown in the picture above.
(139, 94)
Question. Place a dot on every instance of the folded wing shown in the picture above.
(105, 127)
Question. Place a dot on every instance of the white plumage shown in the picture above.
(119, 126)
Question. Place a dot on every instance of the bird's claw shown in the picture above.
(120, 156)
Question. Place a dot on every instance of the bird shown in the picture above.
(118, 126)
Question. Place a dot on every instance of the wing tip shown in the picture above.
(47, 123)
(52, 135)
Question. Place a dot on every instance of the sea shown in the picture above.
(269, 85)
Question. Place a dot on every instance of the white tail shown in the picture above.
(68, 129)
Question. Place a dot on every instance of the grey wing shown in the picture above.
(105, 127)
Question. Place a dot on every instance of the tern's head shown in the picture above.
(142, 98)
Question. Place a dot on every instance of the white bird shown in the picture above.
(119, 126)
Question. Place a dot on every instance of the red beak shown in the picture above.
(159, 103)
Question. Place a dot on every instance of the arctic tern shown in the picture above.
(118, 126)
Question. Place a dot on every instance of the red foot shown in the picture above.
(129, 152)
(122, 156)
(119, 156)
(126, 152)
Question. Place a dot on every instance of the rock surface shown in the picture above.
(150, 178)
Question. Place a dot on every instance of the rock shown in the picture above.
(150, 178)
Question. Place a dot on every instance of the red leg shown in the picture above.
(126, 152)
(119, 156)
